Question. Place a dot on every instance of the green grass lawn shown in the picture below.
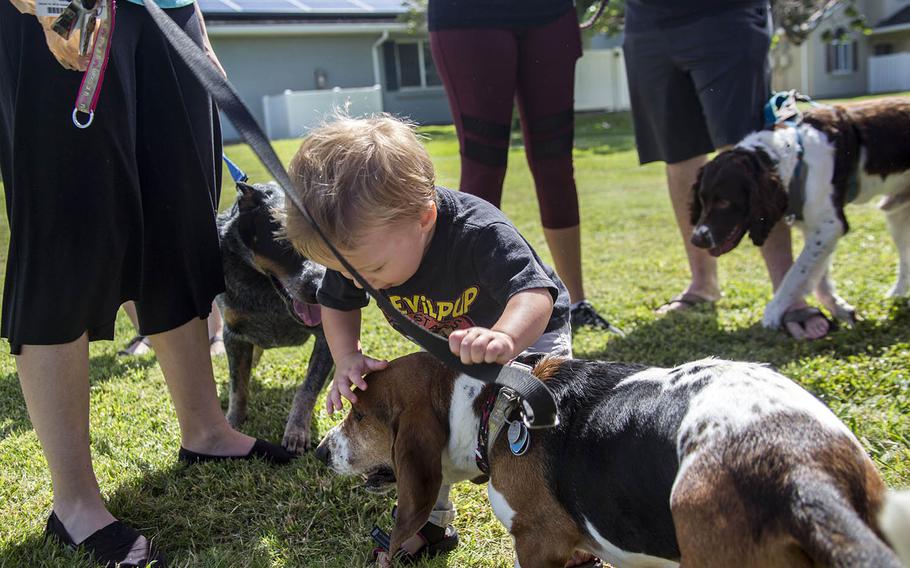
(252, 514)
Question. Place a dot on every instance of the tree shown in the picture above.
(795, 19)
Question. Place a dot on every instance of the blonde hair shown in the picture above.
(356, 174)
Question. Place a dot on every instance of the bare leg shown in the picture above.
(54, 381)
(216, 331)
(778, 254)
(703, 267)
(183, 354)
(565, 248)
(130, 309)
(135, 347)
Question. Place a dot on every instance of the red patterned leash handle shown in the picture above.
(90, 88)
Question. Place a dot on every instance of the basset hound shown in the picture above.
(710, 464)
(808, 172)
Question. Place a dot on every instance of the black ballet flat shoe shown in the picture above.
(263, 450)
(110, 546)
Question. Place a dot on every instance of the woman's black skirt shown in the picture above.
(122, 210)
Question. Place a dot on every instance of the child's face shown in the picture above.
(389, 255)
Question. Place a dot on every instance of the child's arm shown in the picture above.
(342, 332)
(521, 324)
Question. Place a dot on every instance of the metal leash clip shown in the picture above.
(82, 14)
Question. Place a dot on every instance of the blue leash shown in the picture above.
(235, 170)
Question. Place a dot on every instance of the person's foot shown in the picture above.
(216, 346)
(266, 451)
(583, 314)
(582, 559)
(138, 345)
(686, 301)
(430, 541)
(225, 443)
(804, 322)
(82, 519)
(112, 544)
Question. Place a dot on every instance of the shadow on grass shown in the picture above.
(236, 514)
(694, 334)
(101, 368)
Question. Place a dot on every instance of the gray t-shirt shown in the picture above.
(476, 261)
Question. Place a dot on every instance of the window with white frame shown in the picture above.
(414, 65)
(841, 55)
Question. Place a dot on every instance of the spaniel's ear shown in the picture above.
(419, 439)
(767, 200)
(695, 203)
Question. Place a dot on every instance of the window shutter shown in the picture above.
(829, 57)
(391, 68)
(855, 56)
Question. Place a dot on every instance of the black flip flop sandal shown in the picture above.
(128, 350)
(266, 451)
(593, 563)
(110, 546)
(437, 540)
(687, 299)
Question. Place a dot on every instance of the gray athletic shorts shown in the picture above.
(698, 86)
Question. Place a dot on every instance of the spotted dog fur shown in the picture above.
(711, 464)
(746, 190)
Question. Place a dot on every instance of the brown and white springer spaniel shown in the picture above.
(711, 464)
(848, 152)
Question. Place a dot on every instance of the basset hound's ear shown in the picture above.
(418, 441)
(695, 203)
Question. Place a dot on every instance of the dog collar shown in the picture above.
(496, 410)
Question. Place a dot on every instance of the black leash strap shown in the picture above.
(539, 407)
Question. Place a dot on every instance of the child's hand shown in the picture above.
(482, 345)
(350, 371)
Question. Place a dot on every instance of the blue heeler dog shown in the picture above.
(270, 301)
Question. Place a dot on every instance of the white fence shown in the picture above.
(889, 73)
(293, 113)
(600, 84)
(600, 81)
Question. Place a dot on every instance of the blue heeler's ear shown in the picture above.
(246, 196)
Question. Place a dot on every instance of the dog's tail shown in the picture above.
(894, 523)
(832, 533)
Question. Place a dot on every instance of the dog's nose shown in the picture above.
(702, 237)
(323, 454)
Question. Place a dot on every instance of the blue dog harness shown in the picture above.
(781, 110)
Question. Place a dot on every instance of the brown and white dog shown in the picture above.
(711, 464)
(856, 151)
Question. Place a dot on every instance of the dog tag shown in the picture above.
(519, 440)
(514, 431)
(86, 25)
(74, 15)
